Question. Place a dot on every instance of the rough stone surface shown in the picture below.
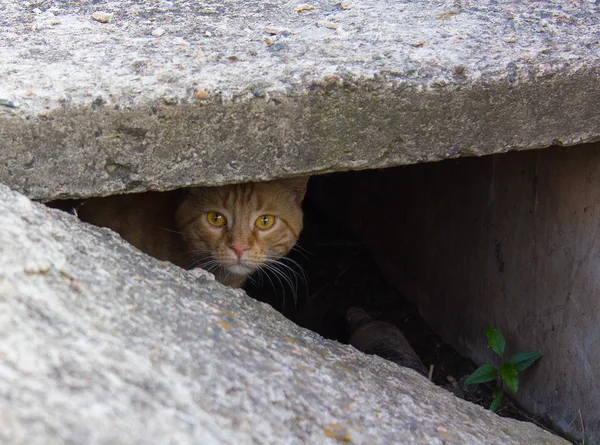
(103, 345)
(168, 94)
(509, 241)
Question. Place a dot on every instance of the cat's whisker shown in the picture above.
(261, 271)
(297, 265)
(252, 280)
(279, 273)
(258, 275)
(171, 230)
(216, 265)
(302, 251)
(211, 265)
(300, 273)
(295, 276)
(197, 252)
(272, 266)
(227, 274)
(200, 264)
(200, 259)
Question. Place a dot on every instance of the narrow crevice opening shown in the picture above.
(333, 269)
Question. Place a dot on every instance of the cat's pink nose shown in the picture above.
(239, 249)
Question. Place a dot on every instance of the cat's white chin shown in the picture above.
(240, 269)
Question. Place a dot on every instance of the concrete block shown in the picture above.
(160, 95)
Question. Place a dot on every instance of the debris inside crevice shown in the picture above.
(335, 273)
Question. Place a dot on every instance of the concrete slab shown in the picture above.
(98, 98)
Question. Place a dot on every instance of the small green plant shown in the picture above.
(507, 373)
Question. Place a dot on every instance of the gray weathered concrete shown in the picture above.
(169, 94)
(101, 344)
(509, 241)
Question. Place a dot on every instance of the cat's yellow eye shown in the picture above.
(216, 219)
(265, 222)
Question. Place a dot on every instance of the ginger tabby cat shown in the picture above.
(230, 230)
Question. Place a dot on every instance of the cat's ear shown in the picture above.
(189, 193)
(297, 186)
(181, 196)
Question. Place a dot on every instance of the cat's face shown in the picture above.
(233, 230)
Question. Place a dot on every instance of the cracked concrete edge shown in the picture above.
(170, 94)
(339, 125)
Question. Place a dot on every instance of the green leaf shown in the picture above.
(524, 360)
(496, 341)
(510, 375)
(497, 398)
(485, 373)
